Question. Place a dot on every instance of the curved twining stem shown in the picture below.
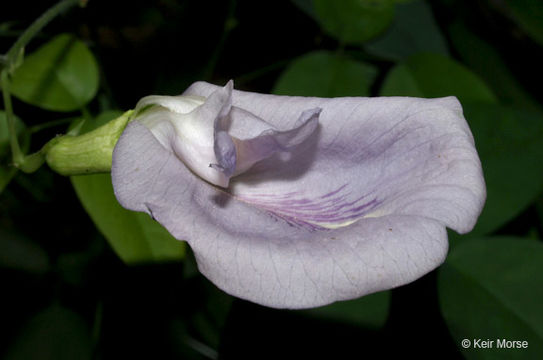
(17, 155)
(14, 54)
(11, 60)
(46, 125)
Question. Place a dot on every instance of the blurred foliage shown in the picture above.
(354, 21)
(18, 252)
(69, 289)
(488, 63)
(370, 311)
(54, 333)
(338, 76)
(478, 304)
(510, 150)
(528, 15)
(412, 31)
(432, 75)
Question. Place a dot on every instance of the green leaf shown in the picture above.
(354, 21)
(370, 311)
(487, 62)
(6, 175)
(18, 252)
(208, 321)
(62, 75)
(135, 237)
(307, 7)
(433, 75)
(55, 333)
(414, 30)
(400, 81)
(509, 143)
(528, 14)
(492, 288)
(337, 76)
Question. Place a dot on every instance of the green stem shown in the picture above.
(14, 53)
(37, 128)
(86, 114)
(17, 155)
(255, 74)
(87, 118)
(11, 60)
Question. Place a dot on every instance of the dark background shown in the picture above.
(149, 311)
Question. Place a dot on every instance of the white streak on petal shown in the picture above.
(179, 104)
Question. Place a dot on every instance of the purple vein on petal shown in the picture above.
(331, 210)
(332, 193)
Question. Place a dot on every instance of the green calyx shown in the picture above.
(88, 153)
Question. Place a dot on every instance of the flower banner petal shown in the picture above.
(250, 253)
(359, 206)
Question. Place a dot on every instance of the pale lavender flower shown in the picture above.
(296, 202)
